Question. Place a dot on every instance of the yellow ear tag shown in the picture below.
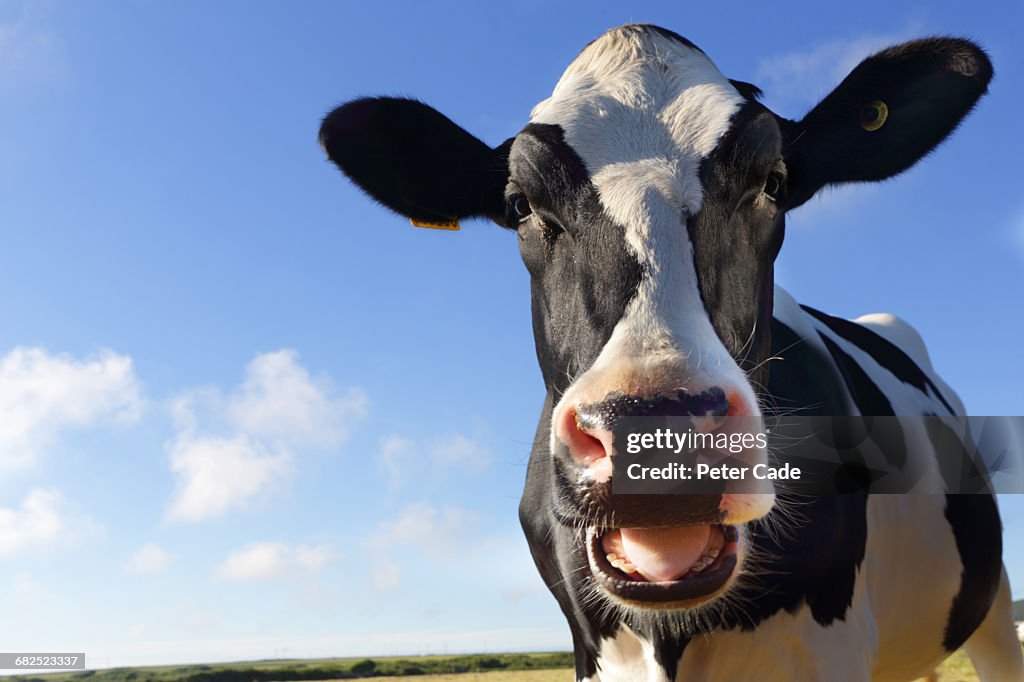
(451, 225)
(874, 115)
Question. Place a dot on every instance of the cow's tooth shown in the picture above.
(713, 552)
(697, 567)
(627, 567)
(613, 557)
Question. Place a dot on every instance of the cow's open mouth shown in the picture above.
(661, 565)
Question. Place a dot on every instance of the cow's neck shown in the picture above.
(607, 647)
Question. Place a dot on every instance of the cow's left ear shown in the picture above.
(893, 109)
(416, 161)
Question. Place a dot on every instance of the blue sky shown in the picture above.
(244, 412)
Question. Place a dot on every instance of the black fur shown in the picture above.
(884, 353)
(979, 540)
(414, 160)
(735, 241)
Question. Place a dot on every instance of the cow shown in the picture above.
(649, 195)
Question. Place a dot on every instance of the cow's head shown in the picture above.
(649, 195)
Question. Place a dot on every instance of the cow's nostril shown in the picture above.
(590, 431)
(712, 402)
(585, 447)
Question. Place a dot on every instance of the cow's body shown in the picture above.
(649, 195)
(862, 616)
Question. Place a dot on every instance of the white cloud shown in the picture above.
(150, 558)
(40, 522)
(313, 558)
(233, 447)
(799, 80)
(280, 401)
(437, 532)
(396, 455)
(272, 560)
(218, 474)
(440, 542)
(402, 458)
(42, 395)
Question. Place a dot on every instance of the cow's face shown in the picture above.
(646, 195)
(649, 194)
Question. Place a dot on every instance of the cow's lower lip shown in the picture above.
(691, 589)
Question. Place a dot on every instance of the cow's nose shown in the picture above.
(588, 430)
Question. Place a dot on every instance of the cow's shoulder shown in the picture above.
(898, 332)
(904, 336)
(883, 360)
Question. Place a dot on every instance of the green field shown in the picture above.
(323, 669)
(554, 675)
(554, 667)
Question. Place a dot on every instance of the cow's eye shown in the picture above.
(520, 207)
(773, 185)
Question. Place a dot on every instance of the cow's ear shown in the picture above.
(892, 110)
(414, 160)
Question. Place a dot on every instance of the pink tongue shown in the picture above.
(664, 553)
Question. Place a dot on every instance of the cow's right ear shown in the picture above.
(416, 161)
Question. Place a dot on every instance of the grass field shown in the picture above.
(469, 668)
(556, 675)
(956, 669)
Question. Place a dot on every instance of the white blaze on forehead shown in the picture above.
(643, 110)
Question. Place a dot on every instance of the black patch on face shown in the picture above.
(737, 234)
(582, 274)
(978, 532)
(883, 351)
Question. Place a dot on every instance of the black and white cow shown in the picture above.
(649, 195)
